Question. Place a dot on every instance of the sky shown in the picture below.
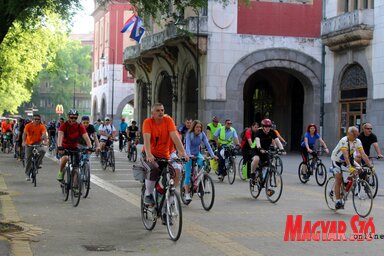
(83, 22)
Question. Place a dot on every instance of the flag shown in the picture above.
(129, 24)
(138, 30)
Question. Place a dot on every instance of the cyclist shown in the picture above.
(368, 138)
(19, 138)
(342, 155)
(194, 137)
(157, 131)
(225, 135)
(33, 134)
(91, 131)
(97, 126)
(6, 126)
(184, 128)
(307, 146)
(211, 129)
(107, 135)
(246, 145)
(264, 138)
(68, 138)
(133, 134)
(52, 133)
(122, 132)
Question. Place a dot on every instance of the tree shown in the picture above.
(28, 13)
(22, 55)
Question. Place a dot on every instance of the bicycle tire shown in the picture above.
(254, 188)
(362, 194)
(148, 214)
(231, 172)
(125, 146)
(34, 175)
(66, 183)
(134, 154)
(112, 159)
(329, 193)
(86, 182)
(103, 161)
(278, 164)
(321, 174)
(174, 216)
(8, 147)
(299, 172)
(274, 182)
(240, 169)
(373, 182)
(207, 188)
(75, 197)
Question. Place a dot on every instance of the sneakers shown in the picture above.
(187, 197)
(220, 177)
(339, 205)
(270, 192)
(306, 176)
(149, 201)
(60, 176)
(28, 178)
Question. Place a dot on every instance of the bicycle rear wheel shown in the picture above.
(103, 160)
(134, 154)
(207, 192)
(66, 183)
(278, 164)
(86, 179)
(75, 187)
(254, 187)
(329, 193)
(231, 171)
(321, 174)
(362, 198)
(301, 172)
(240, 169)
(373, 182)
(112, 159)
(148, 214)
(33, 175)
(174, 216)
(273, 185)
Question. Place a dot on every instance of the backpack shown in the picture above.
(242, 134)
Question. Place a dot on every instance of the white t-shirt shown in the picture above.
(107, 128)
(337, 154)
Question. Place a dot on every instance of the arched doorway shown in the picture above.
(191, 96)
(353, 96)
(95, 113)
(278, 95)
(165, 94)
(103, 109)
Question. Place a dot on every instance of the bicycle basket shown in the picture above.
(139, 173)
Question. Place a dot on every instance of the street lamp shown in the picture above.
(102, 58)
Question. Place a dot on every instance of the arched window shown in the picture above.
(353, 83)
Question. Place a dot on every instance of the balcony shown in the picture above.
(348, 31)
(156, 41)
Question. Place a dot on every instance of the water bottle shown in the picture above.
(349, 184)
(264, 171)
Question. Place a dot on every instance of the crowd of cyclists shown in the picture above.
(163, 140)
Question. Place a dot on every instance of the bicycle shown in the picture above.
(370, 176)
(35, 157)
(314, 163)
(125, 144)
(108, 157)
(71, 175)
(267, 175)
(7, 145)
(230, 152)
(132, 154)
(85, 171)
(240, 169)
(52, 145)
(167, 200)
(361, 193)
(201, 184)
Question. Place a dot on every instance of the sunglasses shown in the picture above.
(107, 120)
(73, 117)
(229, 123)
(37, 119)
(368, 128)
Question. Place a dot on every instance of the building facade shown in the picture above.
(112, 85)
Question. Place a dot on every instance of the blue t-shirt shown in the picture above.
(192, 144)
(123, 126)
(311, 140)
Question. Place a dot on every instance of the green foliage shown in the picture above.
(22, 55)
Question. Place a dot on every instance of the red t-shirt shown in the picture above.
(247, 135)
(160, 139)
(72, 134)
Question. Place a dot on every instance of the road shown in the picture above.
(109, 223)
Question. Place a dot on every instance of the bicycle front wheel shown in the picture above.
(321, 174)
(240, 169)
(75, 187)
(362, 198)
(134, 154)
(174, 216)
(329, 193)
(66, 183)
(301, 172)
(112, 159)
(373, 182)
(273, 185)
(207, 192)
(86, 179)
(278, 164)
(231, 171)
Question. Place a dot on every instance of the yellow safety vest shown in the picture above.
(222, 139)
(213, 130)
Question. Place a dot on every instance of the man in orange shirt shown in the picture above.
(6, 126)
(157, 132)
(33, 134)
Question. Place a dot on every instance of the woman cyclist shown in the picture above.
(307, 146)
(193, 139)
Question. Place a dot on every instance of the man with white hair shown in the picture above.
(342, 155)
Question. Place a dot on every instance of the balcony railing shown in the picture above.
(170, 32)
